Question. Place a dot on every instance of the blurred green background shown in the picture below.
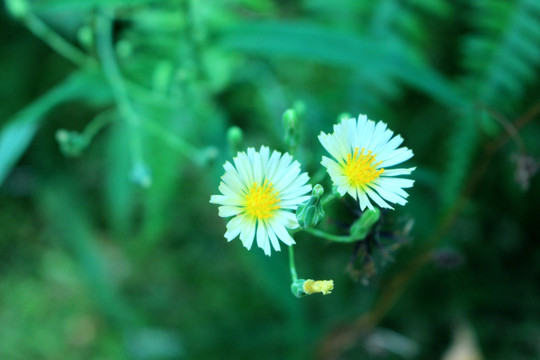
(113, 131)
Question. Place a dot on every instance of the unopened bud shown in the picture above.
(318, 190)
(124, 49)
(310, 213)
(17, 8)
(361, 227)
(235, 137)
(343, 116)
(141, 175)
(290, 126)
(85, 35)
(71, 142)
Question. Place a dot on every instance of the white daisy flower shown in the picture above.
(363, 152)
(261, 192)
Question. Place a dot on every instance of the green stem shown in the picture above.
(328, 198)
(56, 42)
(112, 72)
(120, 90)
(95, 126)
(170, 139)
(292, 265)
(331, 237)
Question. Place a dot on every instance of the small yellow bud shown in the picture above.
(320, 286)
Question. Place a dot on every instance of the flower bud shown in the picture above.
(361, 227)
(71, 142)
(290, 126)
(318, 190)
(17, 8)
(85, 35)
(310, 213)
(235, 137)
(343, 116)
(141, 175)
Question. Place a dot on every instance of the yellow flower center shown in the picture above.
(360, 168)
(261, 200)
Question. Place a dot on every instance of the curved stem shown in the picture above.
(97, 123)
(56, 42)
(331, 237)
(114, 77)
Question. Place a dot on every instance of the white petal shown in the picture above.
(297, 192)
(395, 182)
(273, 238)
(390, 195)
(323, 139)
(386, 150)
(248, 232)
(382, 141)
(226, 211)
(366, 134)
(289, 175)
(262, 238)
(281, 168)
(364, 201)
(337, 145)
(234, 227)
(281, 233)
(396, 172)
(265, 156)
(352, 191)
(288, 219)
(241, 161)
(233, 193)
(398, 156)
(372, 194)
(257, 168)
(297, 184)
(395, 189)
(342, 190)
(293, 203)
(226, 200)
(231, 177)
(351, 131)
(380, 127)
(272, 165)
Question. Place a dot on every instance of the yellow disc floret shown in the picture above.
(360, 168)
(261, 200)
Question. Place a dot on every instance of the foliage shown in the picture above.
(117, 116)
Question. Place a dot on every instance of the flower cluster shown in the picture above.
(261, 190)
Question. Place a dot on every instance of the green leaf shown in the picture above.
(320, 45)
(302, 41)
(18, 132)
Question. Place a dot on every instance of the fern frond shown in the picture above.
(502, 58)
(503, 55)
